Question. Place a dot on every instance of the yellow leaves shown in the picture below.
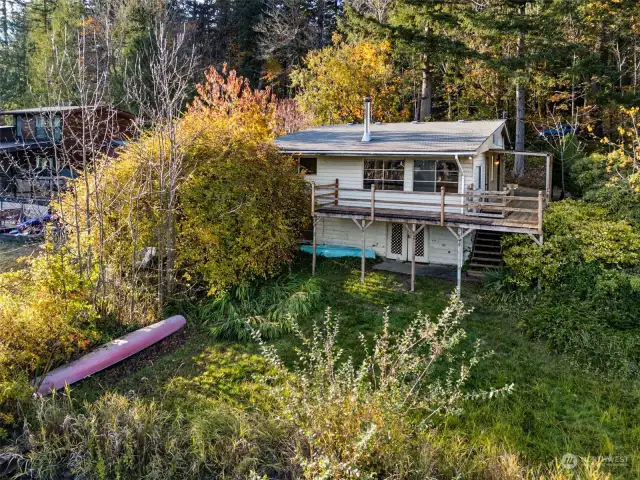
(44, 314)
(335, 79)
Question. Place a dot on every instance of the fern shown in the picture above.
(264, 307)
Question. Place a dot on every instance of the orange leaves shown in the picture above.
(225, 99)
(225, 93)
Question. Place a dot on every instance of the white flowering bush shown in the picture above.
(364, 419)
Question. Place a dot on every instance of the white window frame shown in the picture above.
(435, 180)
(380, 182)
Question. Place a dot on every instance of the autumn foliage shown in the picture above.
(240, 205)
(45, 319)
(243, 204)
(334, 81)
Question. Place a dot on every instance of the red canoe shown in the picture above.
(108, 354)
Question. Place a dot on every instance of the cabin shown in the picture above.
(40, 148)
(418, 192)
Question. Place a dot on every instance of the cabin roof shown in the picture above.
(461, 137)
(58, 109)
(55, 109)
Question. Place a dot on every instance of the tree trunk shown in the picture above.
(426, 92)
(5, 24)
(518, 166)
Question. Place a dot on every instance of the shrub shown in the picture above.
(45, 318)
(592, 180)
(364, 420)
(228, 209)
(619, 200)
(265, 306)
(579, 329)
(587, 174)
(242, 215)
(243, 205)
(575, 233)
(589, 298)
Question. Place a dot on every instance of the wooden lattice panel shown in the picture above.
(420, 243)
(396, 239)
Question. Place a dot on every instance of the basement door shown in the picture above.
(396, 242)
(399, 244)
(422, 243)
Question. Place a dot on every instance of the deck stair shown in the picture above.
(487, 253)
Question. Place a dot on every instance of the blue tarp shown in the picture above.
(337, 251)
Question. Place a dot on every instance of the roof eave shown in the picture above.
(356, 153)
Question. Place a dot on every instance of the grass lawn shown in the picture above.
(11, 251)
(556, 408)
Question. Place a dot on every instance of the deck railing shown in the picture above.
(451, 206)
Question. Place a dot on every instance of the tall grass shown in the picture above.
(264, 306)
(122, 437)
(591, 318)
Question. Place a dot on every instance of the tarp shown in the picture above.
(338, 251)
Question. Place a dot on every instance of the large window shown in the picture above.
(431, 175)
(384, 174)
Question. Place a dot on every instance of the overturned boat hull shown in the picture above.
(108, 354)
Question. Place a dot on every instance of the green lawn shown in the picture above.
(556, 408)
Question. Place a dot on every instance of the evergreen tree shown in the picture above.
(13, 55)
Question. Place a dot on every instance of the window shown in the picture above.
(7, 120)
(432, 175)
(43, 163)
(309, 165)
(478, 183)
(40, 133)
(57, 128)
(384, 174)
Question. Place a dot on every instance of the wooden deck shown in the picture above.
(517, 222)
(461, 213)
(498, 211)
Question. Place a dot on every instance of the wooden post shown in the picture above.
(363, 253)
(313, 221)
(549, 185)
(373, 202)
(540, 207)
(335, 202)
(363, 225)
(442, 193)
(460, 239)
(413, 258)
(313, 259)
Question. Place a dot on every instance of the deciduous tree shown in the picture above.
(334, 80)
